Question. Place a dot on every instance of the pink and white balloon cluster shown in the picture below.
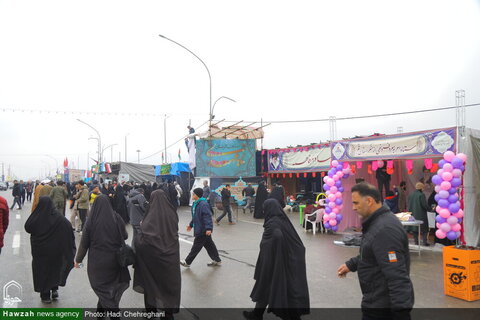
(333, 189)
(447, 181)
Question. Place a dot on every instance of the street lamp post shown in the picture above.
(208, 71)
(125, 148)
(99, 140)
(138, 152)
(110, 146)
(56, 162)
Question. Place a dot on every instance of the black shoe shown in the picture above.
(251, 315)
(426, 245)
(54, 294)
(47, 301)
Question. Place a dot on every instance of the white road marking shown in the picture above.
(18, 217)
(16, 243)
(186, 241)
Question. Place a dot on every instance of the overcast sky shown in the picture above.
(279, 60)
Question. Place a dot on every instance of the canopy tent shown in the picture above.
(137, 172)
(172, 169)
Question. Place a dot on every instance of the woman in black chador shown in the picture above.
(260, 197)
(157, 272)
(280, 272)
(102, 237)
(120, 203)
(53, 248)
(278, 193)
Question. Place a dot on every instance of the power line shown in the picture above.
(368, 116)
(168, 147)
(95, 113)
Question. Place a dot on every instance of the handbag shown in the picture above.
(125, 254)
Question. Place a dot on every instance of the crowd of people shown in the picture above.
(280, 274)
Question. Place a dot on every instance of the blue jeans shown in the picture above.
(226, 210)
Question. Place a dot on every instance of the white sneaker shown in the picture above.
(184, 263)
(214, 263)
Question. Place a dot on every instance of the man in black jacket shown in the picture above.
(248, 193)
(227, 209)
(16, 193)
(383, 264)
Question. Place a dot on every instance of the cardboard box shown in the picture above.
(461, 270)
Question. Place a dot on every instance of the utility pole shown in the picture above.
(3, 172)
(165, 135)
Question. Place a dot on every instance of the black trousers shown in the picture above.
(198, 244)
(29, 196)
(46, 295)
(383, 184)
(23, 197)
(83, 216)
(16, 200)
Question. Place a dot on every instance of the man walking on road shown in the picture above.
(248, 193)
(202, 230)
(59, 196)
(3, 220)
(383, 264)
(16, 193)
(227, 209)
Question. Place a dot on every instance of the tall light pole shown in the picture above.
(125, 147)
(56, 162)
(213, 107)
(99, 140)
(138, 152)
(208, 71)
(110, 146)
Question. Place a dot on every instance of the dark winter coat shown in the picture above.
(226, 194)
(201, 217)
(417, 204)
(383, 267)
(136, 207)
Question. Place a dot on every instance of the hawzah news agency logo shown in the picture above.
(12, 294)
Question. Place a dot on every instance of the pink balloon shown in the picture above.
(447, 176)
(440, 234)
(332, 205)
(338, 194)
(336, 210)
(340, 174)
(445, 227)
(440, 172)
(327, 193)
(457, 173)
(444, 213)
(340, 207)
(333, 189)
(447, 167)
(333, 222)
(330, 182)
(332, 215)
(459, 214)
(446, 185)
(336, 177)
(437, 189)
(325, 179)
(452, 220)
(448, 156)
(438, 209)
(462, 156)
(334, 163)
(331, 197)
(456, 227)
(326, 217)
(438, 225)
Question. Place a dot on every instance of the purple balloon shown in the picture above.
(443, 194)
(451, 235)
(331, 174)
(327, 225)
(338, 183)
(462, 168)
(341, 189)
(457, 162)
(345, 176)
(460, 220)
(334, 228)
(441, 163)
(452, 198)
(454, 207)
(440, 219)
(443, 203)
(338, 201)
(339, 217)
(326, 187)
(437, 197)
(456, 182)
(339, 167)
(452, 190)
(328, 209)
(436, 179)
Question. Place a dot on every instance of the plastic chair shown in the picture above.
(318, 219)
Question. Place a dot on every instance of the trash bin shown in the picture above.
(461, 270)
